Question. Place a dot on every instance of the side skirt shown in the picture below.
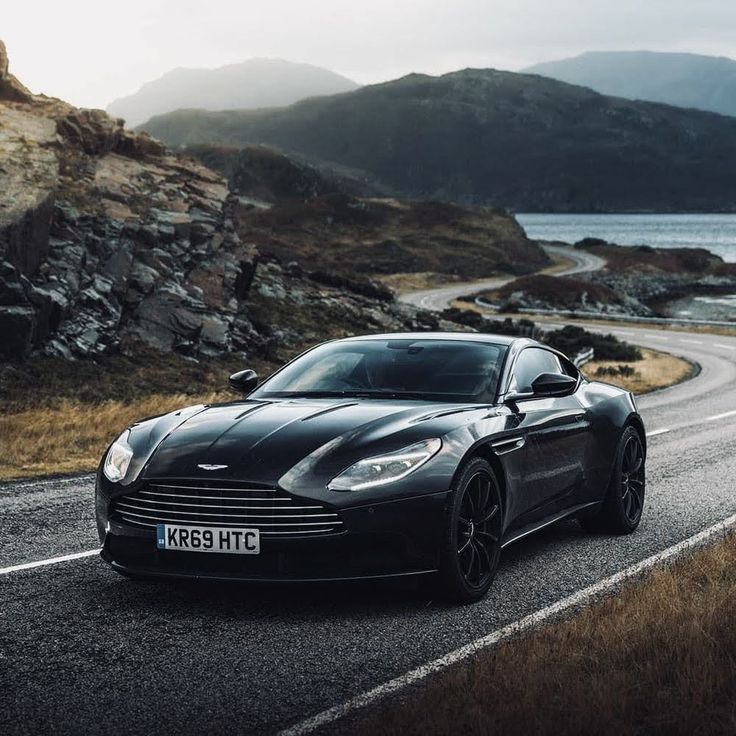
(535, 527)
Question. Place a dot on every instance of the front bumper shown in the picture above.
(386, 539)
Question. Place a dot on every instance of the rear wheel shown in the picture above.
(624, 503)
(472, 543)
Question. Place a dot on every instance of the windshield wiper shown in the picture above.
(378, 394)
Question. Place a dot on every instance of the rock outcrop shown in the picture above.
(555, 293)
(107, 237)
(655, 276)
(10, 87)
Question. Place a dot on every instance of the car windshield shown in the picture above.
(442, 370)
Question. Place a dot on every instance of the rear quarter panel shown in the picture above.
(611, 410)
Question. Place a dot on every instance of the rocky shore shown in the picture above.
(637, 281)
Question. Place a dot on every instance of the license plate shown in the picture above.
(208, 539)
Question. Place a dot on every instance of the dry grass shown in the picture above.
(71, 435)
(659, 658)
(404, 283)
(655, 370)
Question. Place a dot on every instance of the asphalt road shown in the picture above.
(83, 650)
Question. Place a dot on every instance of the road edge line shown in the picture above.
(49, 561)
(531, 621)
(41, 480)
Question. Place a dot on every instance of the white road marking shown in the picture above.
(49, 561)
(655, 432)
(48, 481)
(625, 332)
(721, 345)
(716, 417)
(533, 620)
(692, 342)
(656, 337)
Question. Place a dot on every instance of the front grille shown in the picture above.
(225, 503)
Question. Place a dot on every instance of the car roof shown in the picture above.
(465, 336)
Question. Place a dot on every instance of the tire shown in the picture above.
(623, 505)
(471, 546)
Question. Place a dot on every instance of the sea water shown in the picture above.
(717, 233)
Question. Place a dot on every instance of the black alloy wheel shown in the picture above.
(632, 479)
(473, 538)
(622, 508)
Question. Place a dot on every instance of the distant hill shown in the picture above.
(266, 175)
(251, 84)
(685, 80)
(489, 137)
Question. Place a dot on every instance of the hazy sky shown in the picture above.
(90, 52)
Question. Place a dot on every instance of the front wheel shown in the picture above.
(472, 543)
(624, 503)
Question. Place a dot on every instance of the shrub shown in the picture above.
(615, 370)
(571, 339)
(470, 318)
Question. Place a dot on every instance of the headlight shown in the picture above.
(118, 458)
(388, 468)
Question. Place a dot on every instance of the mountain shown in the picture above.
(685, 80)
(252, 84)
(490, 137)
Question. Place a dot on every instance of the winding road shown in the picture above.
(83, 650)
(442, 297)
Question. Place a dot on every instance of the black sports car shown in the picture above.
(370, 457)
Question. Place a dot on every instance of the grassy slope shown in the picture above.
(70, 436)
(381, 236)
(659, 658)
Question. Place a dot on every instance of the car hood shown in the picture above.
(262, 440)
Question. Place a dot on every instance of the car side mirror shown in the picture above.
(553, 384)
(244, 381)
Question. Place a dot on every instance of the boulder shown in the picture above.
(94, 131)
(17, 331)
(138, 145)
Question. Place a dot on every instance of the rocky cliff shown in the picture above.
(104, 235)
(108, 240)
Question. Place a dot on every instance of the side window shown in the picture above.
(530, 363)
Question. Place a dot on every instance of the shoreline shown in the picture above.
(713, 231)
